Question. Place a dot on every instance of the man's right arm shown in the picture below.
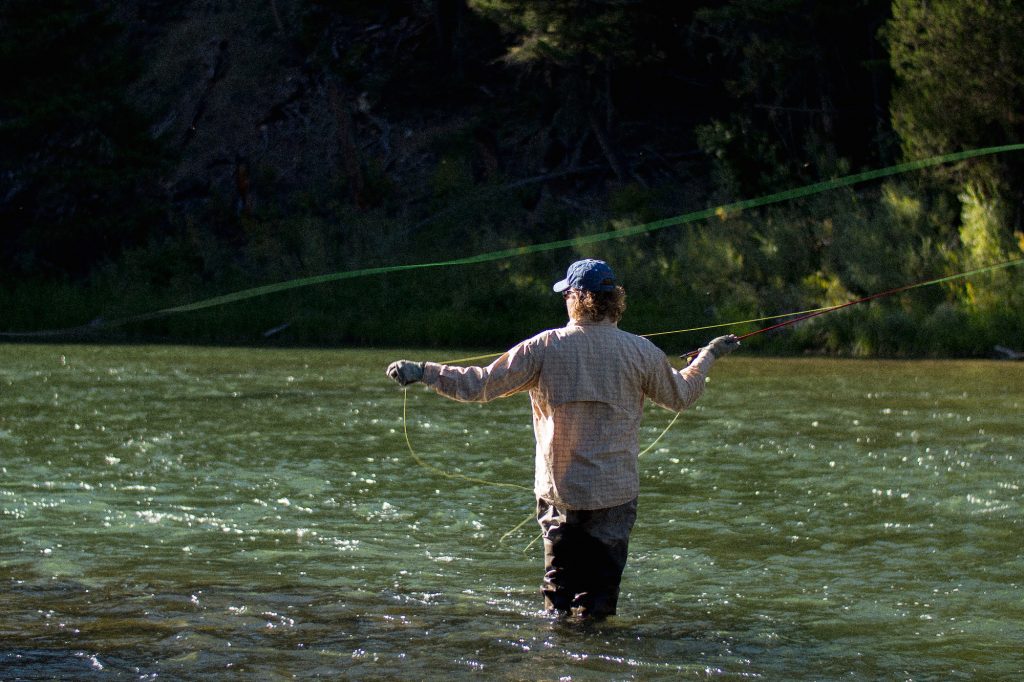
(679, 389)
(675, 389)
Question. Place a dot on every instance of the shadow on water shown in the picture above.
(72, 629)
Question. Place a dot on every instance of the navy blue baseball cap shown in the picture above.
(589, 274)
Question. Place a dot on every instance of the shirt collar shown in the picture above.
(587, 323)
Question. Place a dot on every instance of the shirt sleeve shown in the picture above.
(515, 371)
(675, 389)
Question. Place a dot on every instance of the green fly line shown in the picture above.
(576, 242)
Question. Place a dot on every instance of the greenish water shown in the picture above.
(186, 512)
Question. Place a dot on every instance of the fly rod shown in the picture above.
(872, 297)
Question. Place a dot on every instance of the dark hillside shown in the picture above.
(159, 153)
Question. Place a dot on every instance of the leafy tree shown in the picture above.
(960, 78)
(578, 52)
(960, 85)
(805, 89)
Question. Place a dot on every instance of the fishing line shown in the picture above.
(576, 242)
(797, 317)
(777, 197)
(459, 361)
(439, 471)
(806, 315)
(456, 475)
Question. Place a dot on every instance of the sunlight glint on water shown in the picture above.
(181, 512)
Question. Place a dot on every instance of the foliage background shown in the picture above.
(153, 154)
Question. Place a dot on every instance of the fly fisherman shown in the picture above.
(587, 383)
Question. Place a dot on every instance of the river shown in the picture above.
(182, 513)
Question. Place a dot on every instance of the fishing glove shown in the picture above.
(723, 345)
(405, 372)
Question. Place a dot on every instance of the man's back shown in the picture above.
(588, 397)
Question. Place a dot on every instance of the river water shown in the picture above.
(187, 512)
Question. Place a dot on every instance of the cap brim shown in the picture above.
(561, 286)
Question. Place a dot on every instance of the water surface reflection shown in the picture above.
(194, 512)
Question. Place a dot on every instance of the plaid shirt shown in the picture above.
(587, 384)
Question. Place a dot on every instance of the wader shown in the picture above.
(584, 556)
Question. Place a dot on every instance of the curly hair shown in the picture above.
(594, 306)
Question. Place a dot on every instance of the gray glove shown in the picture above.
(723, 345)
(405, 372)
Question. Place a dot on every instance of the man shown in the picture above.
(587, 383)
